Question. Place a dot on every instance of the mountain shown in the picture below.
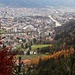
(65, 34)
(37, 3)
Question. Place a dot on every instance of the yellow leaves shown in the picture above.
(71, 50)
(44, 58)
(56, 55)
(35, 61)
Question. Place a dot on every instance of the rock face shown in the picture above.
(37, 3)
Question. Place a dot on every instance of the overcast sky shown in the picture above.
(38, 2)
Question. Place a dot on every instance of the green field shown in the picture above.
(2, 31)
(30, 56)
(19, 47)
(34, 47)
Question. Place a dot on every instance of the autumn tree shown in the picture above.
(6, 61)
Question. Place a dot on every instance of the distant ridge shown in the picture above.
(37, 3)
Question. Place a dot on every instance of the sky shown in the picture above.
(37, 3)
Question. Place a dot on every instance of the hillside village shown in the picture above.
(25, 25)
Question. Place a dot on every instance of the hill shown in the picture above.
(65, 35)
(61, 62)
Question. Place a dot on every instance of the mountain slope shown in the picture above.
(65, 35)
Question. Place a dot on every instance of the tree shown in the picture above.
(28, 52)
(34, 40)
(26, 46)
(30, 48)
(6, 61)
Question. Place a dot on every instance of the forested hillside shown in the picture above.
(62, 60)
(65, 35)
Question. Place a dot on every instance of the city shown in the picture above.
(31, 32)
(30, 23)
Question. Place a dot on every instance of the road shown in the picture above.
(57, 23)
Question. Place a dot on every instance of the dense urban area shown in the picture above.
(20, 25)
(38, 35)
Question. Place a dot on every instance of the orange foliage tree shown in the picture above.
(56, 55)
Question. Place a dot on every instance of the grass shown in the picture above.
(30, 56)
(2, 31)
(34, 47)
(19, 47)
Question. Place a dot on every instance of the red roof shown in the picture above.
(24, 61)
